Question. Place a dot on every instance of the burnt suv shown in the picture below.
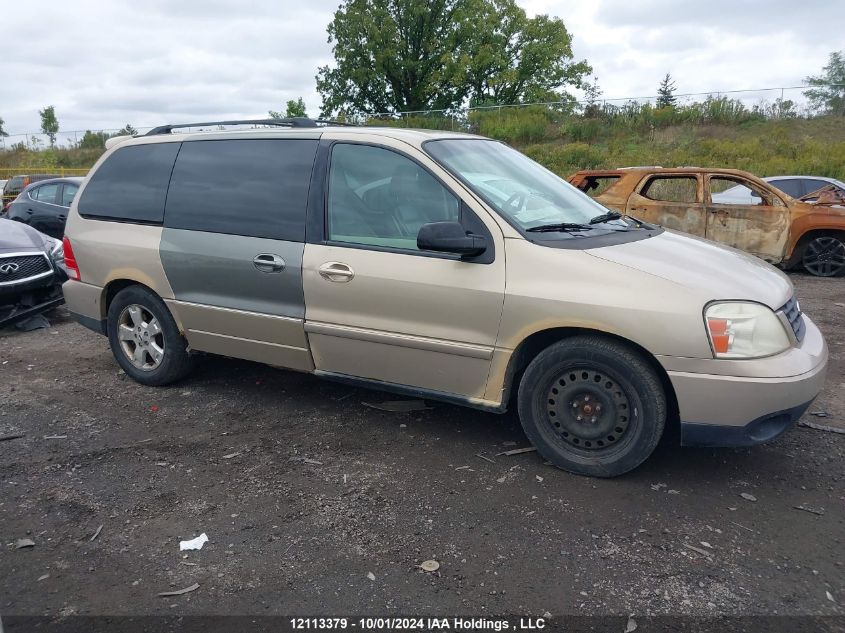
(31, 272)
(731, 207)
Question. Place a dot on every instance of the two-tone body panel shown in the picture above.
(323, 274)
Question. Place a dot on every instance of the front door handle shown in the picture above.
(337, 272)
(268, 263)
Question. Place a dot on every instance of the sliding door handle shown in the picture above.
(268, 263)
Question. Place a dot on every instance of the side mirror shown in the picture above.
(450, 237)
(754, 194)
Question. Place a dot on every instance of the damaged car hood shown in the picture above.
(16, 237)
(717, 271)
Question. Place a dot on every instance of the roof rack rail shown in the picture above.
(299, 121)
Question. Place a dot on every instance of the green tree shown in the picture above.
(412, 55)
(126, 130)
(3, 132)
(829, 94)
(93, 140)
(49, 123)
(666, 93)
(504, 57)
(293, 108)
(392, 55)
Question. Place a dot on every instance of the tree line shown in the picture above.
(394, 56)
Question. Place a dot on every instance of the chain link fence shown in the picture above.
(770, 103)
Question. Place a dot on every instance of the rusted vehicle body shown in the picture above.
(776, 227)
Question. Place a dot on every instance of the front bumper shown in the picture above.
(768, 396)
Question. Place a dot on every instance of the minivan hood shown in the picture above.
(717, 271)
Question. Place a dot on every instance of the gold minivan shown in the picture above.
(442, 265)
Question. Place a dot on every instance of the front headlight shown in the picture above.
(744, 330)
(57, 252)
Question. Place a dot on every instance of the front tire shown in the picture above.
(145, 339)
(824, 256)
(592, 406)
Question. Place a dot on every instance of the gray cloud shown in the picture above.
(106, 64)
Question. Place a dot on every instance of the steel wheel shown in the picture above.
(141, 337)
(588, 409)
(825, 256)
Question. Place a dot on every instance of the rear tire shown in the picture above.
(824, 256)
(592, 406)
(145, 340)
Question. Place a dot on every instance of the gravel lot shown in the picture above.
(316, 504)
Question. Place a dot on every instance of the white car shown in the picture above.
(795, 186)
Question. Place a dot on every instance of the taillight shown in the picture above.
(70, 261)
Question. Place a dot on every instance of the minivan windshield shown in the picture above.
(524, 192)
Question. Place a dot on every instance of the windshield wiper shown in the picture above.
(606, 217)
(561, 227)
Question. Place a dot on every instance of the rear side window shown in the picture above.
(45, 193)
(131, 185)
(256, 188)
(672, 189)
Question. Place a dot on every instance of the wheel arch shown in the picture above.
(808, 236)
(528, 349)
(114, 286)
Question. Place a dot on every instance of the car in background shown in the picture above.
(31, 272)
(799, 187)
(770, 224)
(2, 183)
(44, 205)
(16, 184)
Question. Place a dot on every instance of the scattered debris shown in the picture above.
(539, 479)
(706, 544)
(517, 451)
(231, 455)
(819, 414)
(429, 565)
(55, 437)
(673, 492)
(821, 427)
(818, 511)
(184, 562)
(179, 592)
(24, 542)
(742, 526)
(463, 468)
(96, 533)
(371, 575)
(485, 458)
(6, 438)
(344, 397)
(657, 487)
(631, 626)
(195, 543)
(398, 406)
(306, 460)
(44, 577)
(747, 496)
(703, 552)
(829, 596)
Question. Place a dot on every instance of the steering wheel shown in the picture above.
(517, 201)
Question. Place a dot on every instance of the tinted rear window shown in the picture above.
(131, 185)
(791, 186)
(256, 188)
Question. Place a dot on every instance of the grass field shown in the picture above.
(714, 133)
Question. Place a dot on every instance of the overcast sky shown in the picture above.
(104, 63)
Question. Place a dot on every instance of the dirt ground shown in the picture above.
(316, 504)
